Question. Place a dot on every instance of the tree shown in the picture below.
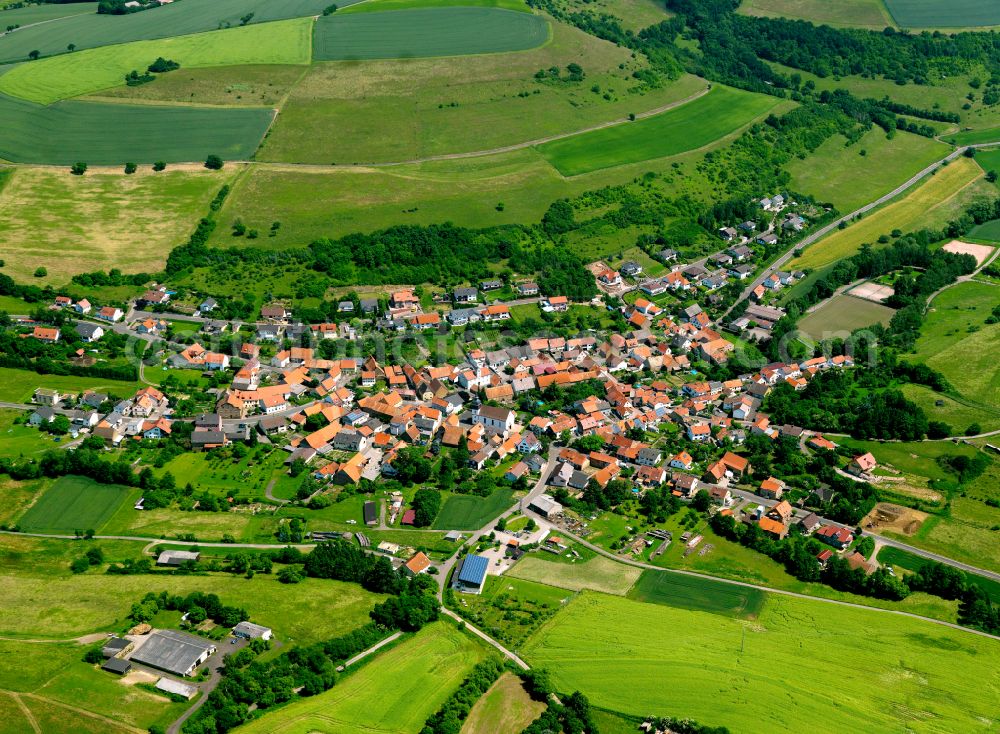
(196, 615)
(79, 168)
(34, 54)
(702, 501)
(71, 47)
(159, 166)
(246, 19)
(426, 505)
(41, 272)
(79, 565)
(213, 162)
(290, 575)
(130, 168)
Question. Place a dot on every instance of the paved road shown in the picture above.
(489, 640)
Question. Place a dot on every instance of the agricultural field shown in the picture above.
(17, 495)
(505, 707)
(32, 14)
(394, 692)
(719, 113)
(843, 313)
(730, 672)
(17, 386)
(597, 574)
(701, 594)
(93, 30)
(931, 203)
(73, 503)
(974, 137)
(78, 131)
(435, 31)
(377, 6)
(102, 220)
(470, 512)
(850, 176)
(955, 14)
(853, 13)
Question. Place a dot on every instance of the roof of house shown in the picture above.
(419, 563)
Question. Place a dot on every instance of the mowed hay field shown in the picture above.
(178, 19)
(720, 112)
(70, 75)
(393, 693)
(857, 13)
(438, 31)
(951, 14)
(772, 674)
(843, 313)
(110, 134)
(850, 176)
(73, 503)
(101, 220)
(597, 574)
(17, 386)
(506, 708)
(929, 201)
(449, 105)
(470, 512)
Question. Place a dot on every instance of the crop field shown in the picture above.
(505, 707)
(732, 673)
(42, 13)
(392, 693)
(597, 574)
(70, 75)
(989, 231)
(929, 201)
(196, 16)
(855, 13)
(73, 503)
(935, 14)
(469, 512)
(375, 6)
(77, 131)
(850, 176)
(404, 34)
(697, 594)
(690, 126)
(102, 220)
(15, 495)
(843, 313)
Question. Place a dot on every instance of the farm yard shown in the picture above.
(392, 693)
(733, 672)
(414, 33)
(843, 313)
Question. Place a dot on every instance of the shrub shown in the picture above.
(79, 168)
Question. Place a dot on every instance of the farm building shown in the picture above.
(116, 646)
(544, 505)
(174, 652)
(370, 513)
(176, 688)
(117, 665)
(176, 557)
(251, 631)
(471, 574)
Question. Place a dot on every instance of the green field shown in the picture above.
(850, 176)
(856, 13)
(658, 660)
(73, 503)
(42, 13)
(92, 70)
(406, 34)
(17, 386)
(700, 594)
(393, 693)
(597, 574)
(719, 113)
(989, 231)
(936, 14)
(192, 16)
(21, 440)
(470, 512)
(375, 6)
(505, 707)
(103, 220)
(890, 556)
(78, 131)
(929, 201)
(843, 313)
(974, 137)
(957, 411)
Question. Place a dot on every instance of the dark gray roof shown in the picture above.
(172, 651)
(117, 665)
(200, 438)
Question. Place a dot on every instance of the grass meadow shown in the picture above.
(850, 176)
(597, 574)
(505, 707)
(890, 556)
(43, 13)
(954, 14)
(934, 200)
(470, 512)
(393, 692)
(377, 6)
(719, 113)
(435, 31)
(854, 13)
(658, 660)
(73, 503)
(957, 411)
(71, 75)
(843, 313)
(17, 386)
(974, 137)
(20, 440)
(102, 220)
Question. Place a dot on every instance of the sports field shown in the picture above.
(111, 134)
(843, 313)
(102, 220)
(470, 512)
(73, 503)
(931, 201)
(393, 693)
(856, 13)
(702, 594)
(597, 574)
(405, 34)
(177, 19)
(738, 674)
(71, 75)
(937, 14)
(720, 112)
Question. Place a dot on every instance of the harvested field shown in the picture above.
(980, 252)
(597, 574)
(893, 518)
(871, 292)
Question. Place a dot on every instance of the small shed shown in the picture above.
(117, 665)
(251, 631)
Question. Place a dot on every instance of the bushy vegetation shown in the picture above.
(448, 719)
